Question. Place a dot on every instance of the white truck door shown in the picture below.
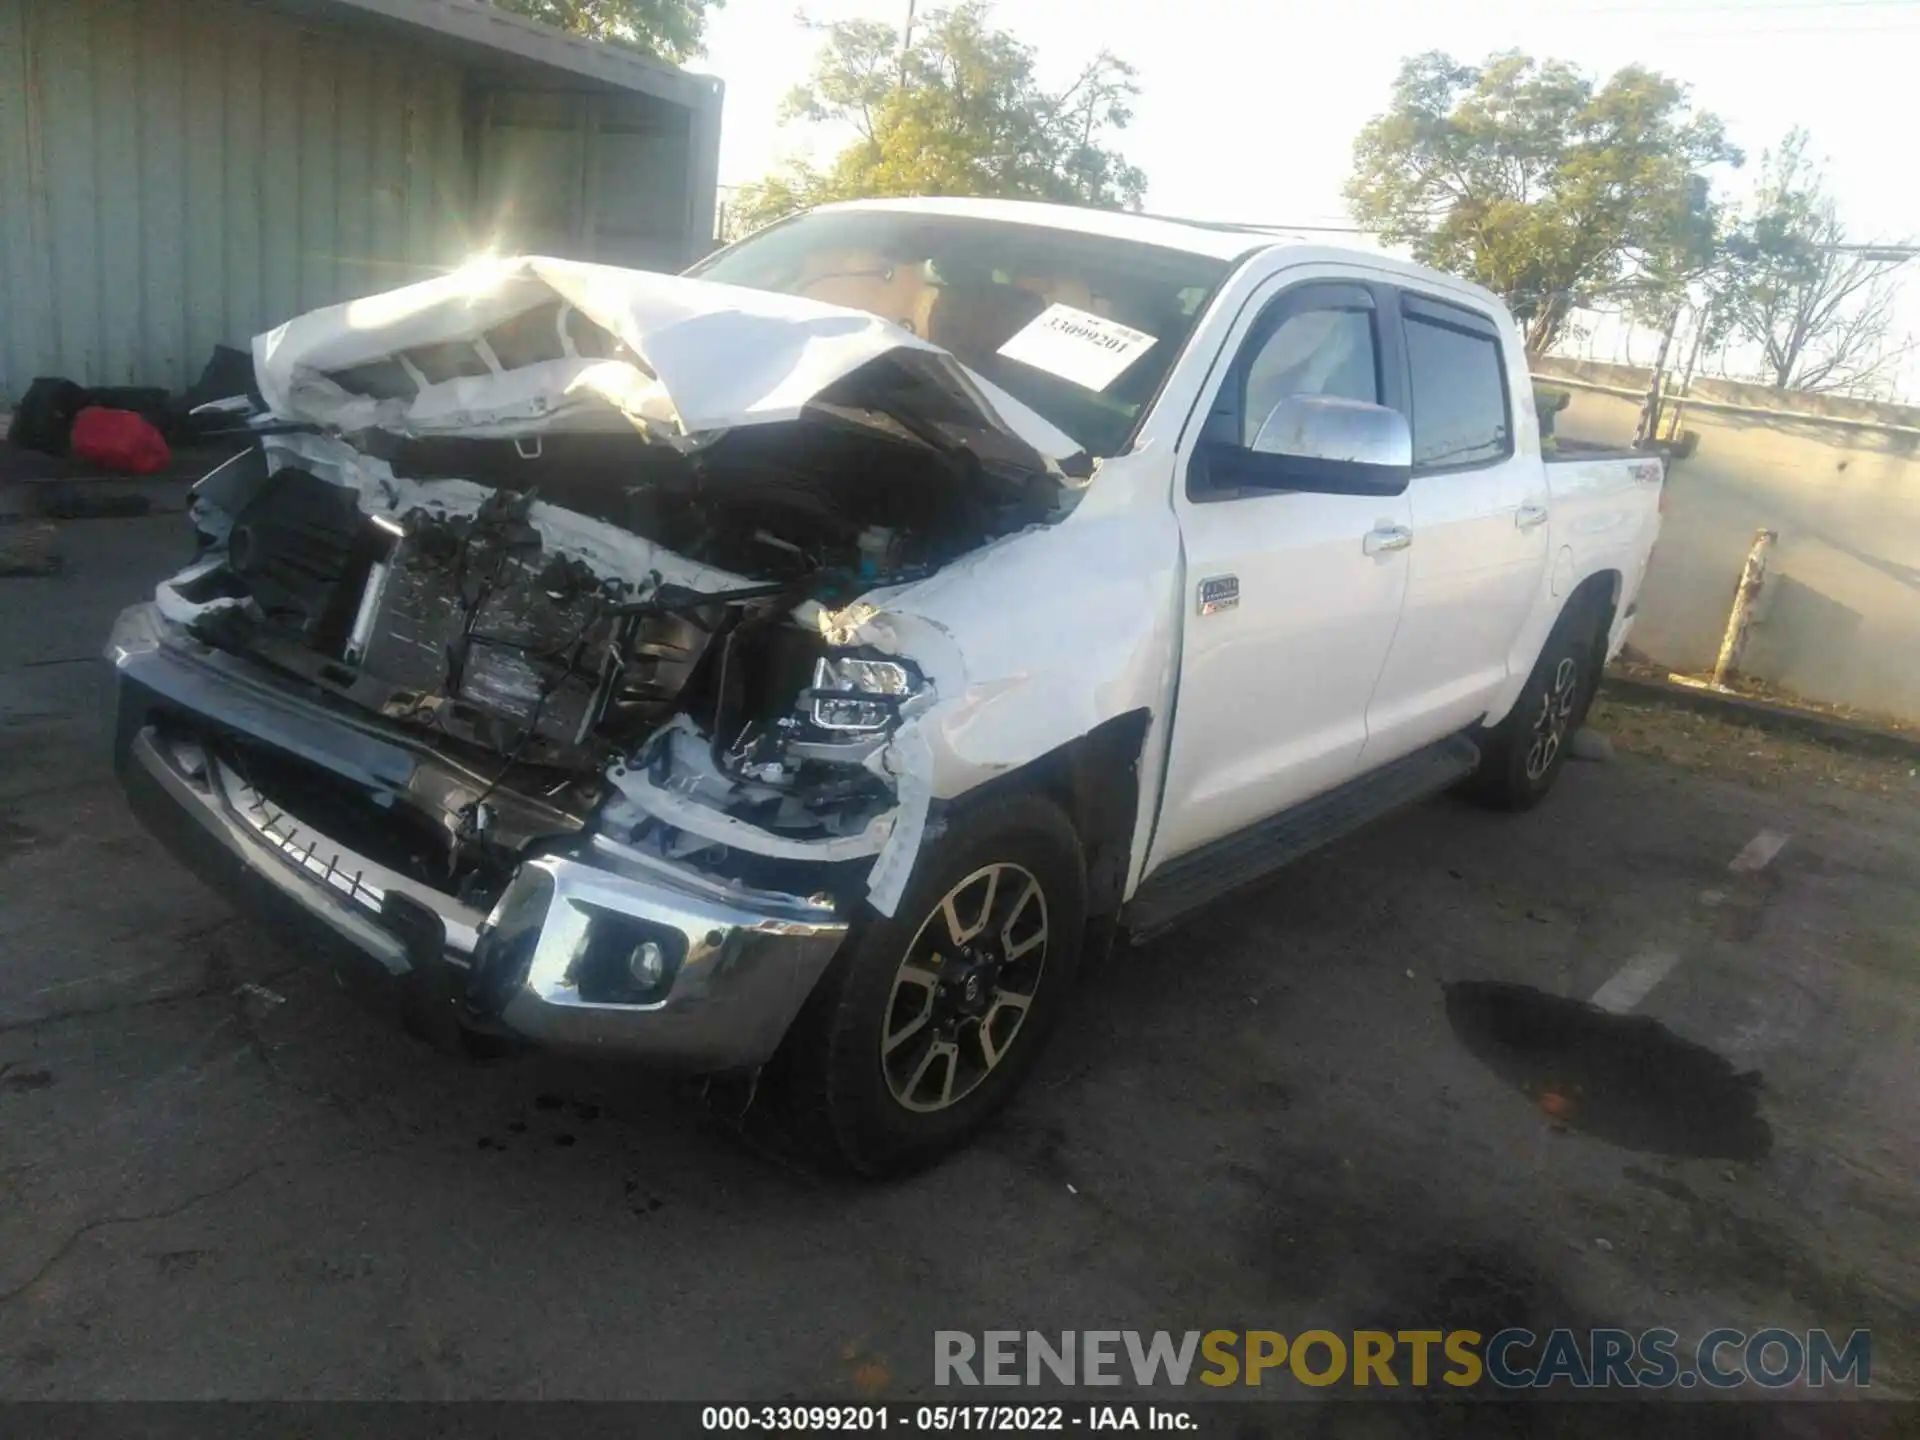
(1292, 598)
(1479, 539)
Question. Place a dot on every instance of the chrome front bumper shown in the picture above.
(550, 961)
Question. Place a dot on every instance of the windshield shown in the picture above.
(1081, 328)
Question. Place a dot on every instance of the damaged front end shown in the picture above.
(500, 657)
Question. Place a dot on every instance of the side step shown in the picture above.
(1224, 865)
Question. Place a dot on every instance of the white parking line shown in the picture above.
(1759, 852)
(1633, 980)
(1631, 983)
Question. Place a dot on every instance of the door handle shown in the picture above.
(1528, 516)
(1386, 538)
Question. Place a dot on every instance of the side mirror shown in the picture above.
(1322, 444)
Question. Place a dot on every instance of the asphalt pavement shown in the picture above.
(1370, 1093)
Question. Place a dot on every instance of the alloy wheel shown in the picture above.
(964, 987)
(1550, 726)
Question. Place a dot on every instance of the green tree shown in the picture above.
(1817, 306)
(670, 30)
(957, 110)
(1523, 175)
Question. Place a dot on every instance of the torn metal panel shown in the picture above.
(913, 761)
(675, 781)
(606, 547)
(988, 697)
(592, 346)
(483, 615)
(1097, 594)
(1101, 591)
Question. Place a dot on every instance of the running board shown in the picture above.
(1223, 866)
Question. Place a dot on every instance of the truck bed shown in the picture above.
(1606, 510)
(1566, 451)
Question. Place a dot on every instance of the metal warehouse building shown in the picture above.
(176, 173)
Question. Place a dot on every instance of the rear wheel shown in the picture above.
(927, 1021)
(1522, 756)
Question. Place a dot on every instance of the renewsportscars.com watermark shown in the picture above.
(1513, 1359)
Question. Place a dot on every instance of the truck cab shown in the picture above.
(812, 663)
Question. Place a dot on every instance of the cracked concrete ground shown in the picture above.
(1358, 1096)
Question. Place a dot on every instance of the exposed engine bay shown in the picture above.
(620, 626)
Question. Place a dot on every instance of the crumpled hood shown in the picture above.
(694, 358)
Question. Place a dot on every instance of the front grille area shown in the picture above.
(301, 845)
(290, 802)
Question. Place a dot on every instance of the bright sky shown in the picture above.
(1249, 107)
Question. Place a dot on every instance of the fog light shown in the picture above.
(624, 959)
(647, 964)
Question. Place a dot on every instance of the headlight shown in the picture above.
(850, 694)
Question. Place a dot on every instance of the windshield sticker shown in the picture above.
(1089, 350)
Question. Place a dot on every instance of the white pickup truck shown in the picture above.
(812, 662)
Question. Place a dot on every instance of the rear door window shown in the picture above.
(1460, 413)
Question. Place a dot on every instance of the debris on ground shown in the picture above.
(1748, 687)
(49, 415)
(1590, 744)
(73, 502)
(28, 548)
(1765, 759)
(1775, 695)
(44, 418)
(121, 442)
(52, 416)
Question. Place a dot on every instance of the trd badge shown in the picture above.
(1222, 592)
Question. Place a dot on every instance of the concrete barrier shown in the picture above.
(1839, 620)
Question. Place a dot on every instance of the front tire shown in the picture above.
(1523, 755)
(927, 1021)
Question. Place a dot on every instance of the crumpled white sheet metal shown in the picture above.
(607, 548)
(702, 357)
(694, 793)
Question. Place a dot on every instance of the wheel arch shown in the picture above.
(1095, 780)
(1601, 593)
(1600, 590)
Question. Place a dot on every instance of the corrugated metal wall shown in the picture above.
(179, 172)
(595, 177)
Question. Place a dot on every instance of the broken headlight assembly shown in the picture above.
(856, 696)
(812, 752)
